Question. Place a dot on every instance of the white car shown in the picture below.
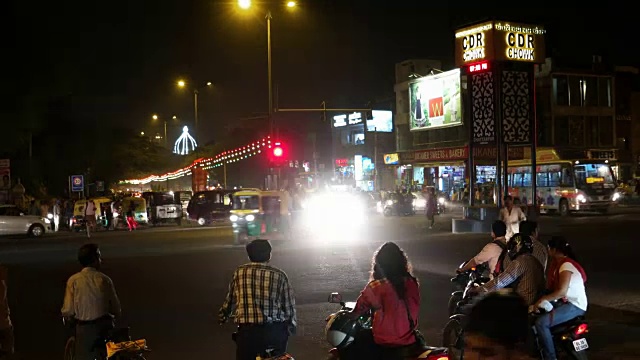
(14, 222)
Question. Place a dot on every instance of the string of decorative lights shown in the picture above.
(229, 156)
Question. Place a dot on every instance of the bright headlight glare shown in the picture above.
(389, 202)
(233, 218)
(49, 216)
(250, 217)
(441, 200)
(616, 196)
(46, 221)
(581, 198)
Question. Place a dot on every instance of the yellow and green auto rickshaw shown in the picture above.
(260, 214)
(78, 222)
(140, 212)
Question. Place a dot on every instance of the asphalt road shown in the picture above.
(172, 281)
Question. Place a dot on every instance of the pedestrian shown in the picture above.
(131, 220)
(432, 206)
(264, 304)
(90, 299)
(6, 327)
(90, 217)
(56, 215)
(512, 216)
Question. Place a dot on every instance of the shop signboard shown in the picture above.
(391, 159)
(435, 101)
(342, 162)
(500, 40)
(347, 119)
(462, 153)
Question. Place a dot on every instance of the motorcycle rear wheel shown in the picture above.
(453, 339)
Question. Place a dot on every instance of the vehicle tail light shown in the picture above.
(581, 329)
(437, 357)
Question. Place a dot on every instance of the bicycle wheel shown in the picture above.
(69, 349)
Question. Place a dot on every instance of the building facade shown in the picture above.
(358, 139)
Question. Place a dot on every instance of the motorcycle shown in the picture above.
(394, 205)
(118, 344)
(464, 281)
(365, 322)
(568, 337)
(268, 353)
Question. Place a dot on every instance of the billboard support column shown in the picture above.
(499, 139)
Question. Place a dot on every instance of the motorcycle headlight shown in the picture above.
(250, 217)
(441, 201)
(233, 218)
(581, 198)
(389, 202)
(49, 216)
(616, 196)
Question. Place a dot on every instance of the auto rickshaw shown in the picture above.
(140, 212)
(260, 214)
(78, 222)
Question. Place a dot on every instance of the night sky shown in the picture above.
(119, 60)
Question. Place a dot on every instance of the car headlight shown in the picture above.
(441, 200)
(581, 198)
(233, 218)
(616, 196)
(250, 217)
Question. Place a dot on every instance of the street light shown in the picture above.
(183, 84)
(246, 4)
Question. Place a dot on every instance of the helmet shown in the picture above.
(519, 244)
(341, 329)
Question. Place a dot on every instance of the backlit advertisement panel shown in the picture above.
(382, 121)
(435, 101)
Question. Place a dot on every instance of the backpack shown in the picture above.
(499, 267)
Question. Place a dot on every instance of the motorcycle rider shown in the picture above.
(493, 253)
(565, 280)
(539, 249)
(91, 300)
(497, 328)
(524, 271)
(264, 305)
(394, 294)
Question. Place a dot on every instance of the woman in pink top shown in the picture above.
(393, 294)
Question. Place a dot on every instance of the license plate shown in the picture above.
(580, 344)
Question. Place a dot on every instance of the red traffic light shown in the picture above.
(278, 150)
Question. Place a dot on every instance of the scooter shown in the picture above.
(365, 323)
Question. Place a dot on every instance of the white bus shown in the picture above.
(564, 185)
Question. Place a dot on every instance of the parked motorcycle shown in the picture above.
(348, 328)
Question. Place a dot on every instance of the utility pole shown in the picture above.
(195, 110)
(375, 159)
(224, 171)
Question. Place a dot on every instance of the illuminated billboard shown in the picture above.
(381, 121)
(435, 101)
(500, 40)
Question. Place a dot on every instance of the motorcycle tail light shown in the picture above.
(438, 357)
(581, 329)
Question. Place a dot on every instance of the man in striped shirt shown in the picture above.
(262, 302)
(524, 273)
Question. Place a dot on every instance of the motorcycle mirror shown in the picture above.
(335, 298)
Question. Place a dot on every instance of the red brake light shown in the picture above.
(582, 328)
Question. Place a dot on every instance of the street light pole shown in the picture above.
(269, 73)
(195, 110)
(165, 132)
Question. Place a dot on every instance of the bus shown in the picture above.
(564, 185)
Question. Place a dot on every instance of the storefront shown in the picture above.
(446, 168)
(355, 172)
